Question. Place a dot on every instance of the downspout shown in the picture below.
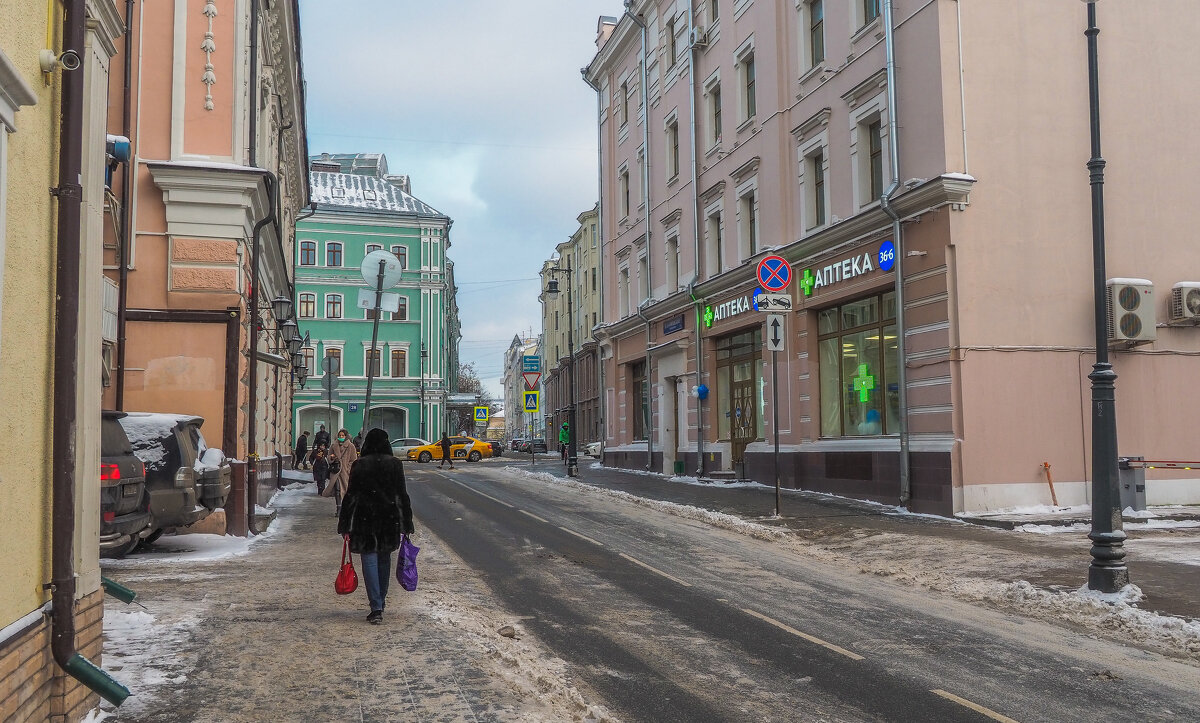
(66, 349)
(698, 303)
(251, 422)
(602, 407)
(649, 390)
(885, 203)
(126, 208)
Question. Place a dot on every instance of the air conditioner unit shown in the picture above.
(1185, 302)
(698, 36)
(1130, 312)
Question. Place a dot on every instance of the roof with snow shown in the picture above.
(353, 192)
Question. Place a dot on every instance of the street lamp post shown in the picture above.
(1107, 572)
(552, 288)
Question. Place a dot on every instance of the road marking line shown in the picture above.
(539, 519)
(484, 494)
(974, 706)
(806, 636)
(656, 570)
(582, 537)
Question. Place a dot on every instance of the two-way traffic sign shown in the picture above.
(775, 332)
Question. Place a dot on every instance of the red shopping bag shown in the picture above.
(347, 579)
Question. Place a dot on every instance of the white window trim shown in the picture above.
(744, 51)
(325, 307)
(744, 189)
(859, 115)
(710, 244)
(328, 346)
(818, 143)
(300, 298)
(392, 248)
(316, 251)
(404, 347)
(672, 236)
(712, 140)
(623, 207)
(672, 119)
(804, 22)
(624, 308)
(325, 258)
(366, 348)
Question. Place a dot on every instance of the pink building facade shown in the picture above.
(758, 128)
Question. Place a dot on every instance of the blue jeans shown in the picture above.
(377, 569)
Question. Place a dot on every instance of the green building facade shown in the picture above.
(361, 208)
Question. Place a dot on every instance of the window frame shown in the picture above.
(307, 247)
(372, 356)
(339, 300)
(310, 302)
(881, 324)
(403, 307)
(402, 257)
(402, 356)
(816, 32)
(335, 247)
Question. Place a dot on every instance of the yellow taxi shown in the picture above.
(468, 448)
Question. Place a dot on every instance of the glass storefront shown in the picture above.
(739, 393)
(858, 356)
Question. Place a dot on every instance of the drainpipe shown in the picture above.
(126, 207)
(649, 390)
(885, 202)
(66, 348)
(251, 423)
(698, 303)
(600, 243)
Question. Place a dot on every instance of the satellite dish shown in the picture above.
(392, 270)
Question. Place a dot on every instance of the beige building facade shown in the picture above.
(795, 131)
(518, 423)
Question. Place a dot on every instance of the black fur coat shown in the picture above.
(376, 512)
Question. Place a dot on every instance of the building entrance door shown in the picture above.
(743, 412)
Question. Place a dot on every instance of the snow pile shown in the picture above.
(1053, 529)
(209, 460)
(717, 519)
(292, 495)
(95, 715)
(295, 475)
(143, 653)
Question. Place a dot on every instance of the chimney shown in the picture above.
(401, 182)
(325, 165)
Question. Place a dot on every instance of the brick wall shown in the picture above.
(32, 687)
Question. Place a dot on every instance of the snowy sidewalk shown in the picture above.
(251, 630)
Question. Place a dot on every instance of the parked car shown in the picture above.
(123, 513)
(516, 444)
(185, 479)
(594, 449)
(535, 445)
(461, 447)
(401, 446)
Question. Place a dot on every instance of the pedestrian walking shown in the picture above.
(375, 516)
(298, 461)
(564, 440)
(344, 452)
(320, 438)
(446, 452)
(320, 467)
(358, 442)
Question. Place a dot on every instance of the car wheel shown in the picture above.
(149, 539)
(474, 457)
(424, 457)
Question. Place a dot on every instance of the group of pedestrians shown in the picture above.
(371, 501)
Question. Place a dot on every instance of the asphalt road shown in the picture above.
(672, 619)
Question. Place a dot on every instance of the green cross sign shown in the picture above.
(708, 316)
(863, 383)
(807, 281)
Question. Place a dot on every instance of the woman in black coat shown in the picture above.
(376, 514)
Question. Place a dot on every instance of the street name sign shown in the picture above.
(775, 332)
(481, 414)
(531, 379)
(531, 402)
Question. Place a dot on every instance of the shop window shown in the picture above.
(640, 394)
(859, 352)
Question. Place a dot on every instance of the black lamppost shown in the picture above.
(552, 288)
(424, 355)
(1107, 572)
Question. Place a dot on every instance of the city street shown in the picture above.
(627, 607)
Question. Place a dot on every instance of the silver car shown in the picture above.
(401, 446)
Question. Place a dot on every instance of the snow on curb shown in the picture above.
(143, 653)
(718, 519)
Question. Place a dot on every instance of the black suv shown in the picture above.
(185, 479)
(123, 513)
(534, 445)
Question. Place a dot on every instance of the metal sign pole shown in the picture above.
(371, 354)
(775, 420)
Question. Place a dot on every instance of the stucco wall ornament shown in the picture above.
(209, 77)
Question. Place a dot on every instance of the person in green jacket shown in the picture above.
(564, 439)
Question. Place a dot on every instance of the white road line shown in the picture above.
(539, 519)
(656, 570)
(484, 494)
(974, 706)
(582, 537)
(806, 636)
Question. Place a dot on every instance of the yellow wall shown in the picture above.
(27, 339)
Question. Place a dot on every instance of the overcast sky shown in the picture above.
(482, 104)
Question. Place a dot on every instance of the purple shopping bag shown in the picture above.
(406, 571)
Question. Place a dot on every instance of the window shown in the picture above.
(749, 103)
(307, 308)
(673, 264)
(333, 254)
(640, 394)
(399, 363)
(336, 355)
(713, 232)
(310, 360)
(643, 278)
(401, 253)
(858, 367)
(623, 292)
(813, 174)
(308, 253)
(623, 191)
(672, 150)
(748, 223)
(624, 102)
(593, 279)
(369, 314)
(816, 33)
(714, 115)
(672, 47)
(371, 362)
(870, 10)
(374, 247)
(401, 312)
(818, 188)
(556, 321)
(333, 306)
(875, 145)
(714, 11)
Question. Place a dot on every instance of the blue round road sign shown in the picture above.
(887, 256)
(774, 273)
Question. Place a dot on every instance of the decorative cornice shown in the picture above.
(710, 193)
(672, 217)
(14, 93)
(866, 89)
(106, 22)
(820, 119)
(209, 47)
(745, 170)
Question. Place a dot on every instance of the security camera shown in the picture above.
(70, 60)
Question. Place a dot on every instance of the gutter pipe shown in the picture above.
(126, 208)
(252, 421)
(885, 203)
(698, 303)
(66, 349)
(602, 406)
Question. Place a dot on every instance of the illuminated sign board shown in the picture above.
(740, 305)
(846, 269)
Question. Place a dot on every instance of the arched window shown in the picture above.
(374, 247)
(333, 306)
(401, 252)
(307, 306)
(308, 253)
(310, 360)
(402, 313)
(333, 253)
